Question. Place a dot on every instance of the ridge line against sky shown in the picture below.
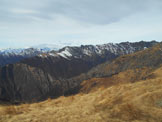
(27, 23)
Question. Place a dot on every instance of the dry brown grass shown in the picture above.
(128, 76)
(126, 102)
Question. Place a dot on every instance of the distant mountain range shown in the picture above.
(9, 56)
(38, 74)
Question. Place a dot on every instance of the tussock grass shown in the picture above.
(125, 102)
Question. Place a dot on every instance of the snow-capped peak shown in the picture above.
(73, 52)
(65, 53)
(43, 48)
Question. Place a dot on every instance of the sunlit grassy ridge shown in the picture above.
(120, 102)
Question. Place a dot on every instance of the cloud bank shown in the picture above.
(29, 22)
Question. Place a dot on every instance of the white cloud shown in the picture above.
(23, 11)
(24, 23)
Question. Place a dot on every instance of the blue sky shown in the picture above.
(31, 22)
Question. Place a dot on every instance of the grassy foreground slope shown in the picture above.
(122, 102)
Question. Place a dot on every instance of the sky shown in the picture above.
(26, 23)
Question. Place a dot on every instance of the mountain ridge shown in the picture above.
(131, 67)
(59, 75)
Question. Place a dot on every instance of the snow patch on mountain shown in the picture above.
(65, 53)
(73, 52)
(92, 50)
(43, 48)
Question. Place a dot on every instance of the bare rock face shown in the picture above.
(57, 73)
(20, 82)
